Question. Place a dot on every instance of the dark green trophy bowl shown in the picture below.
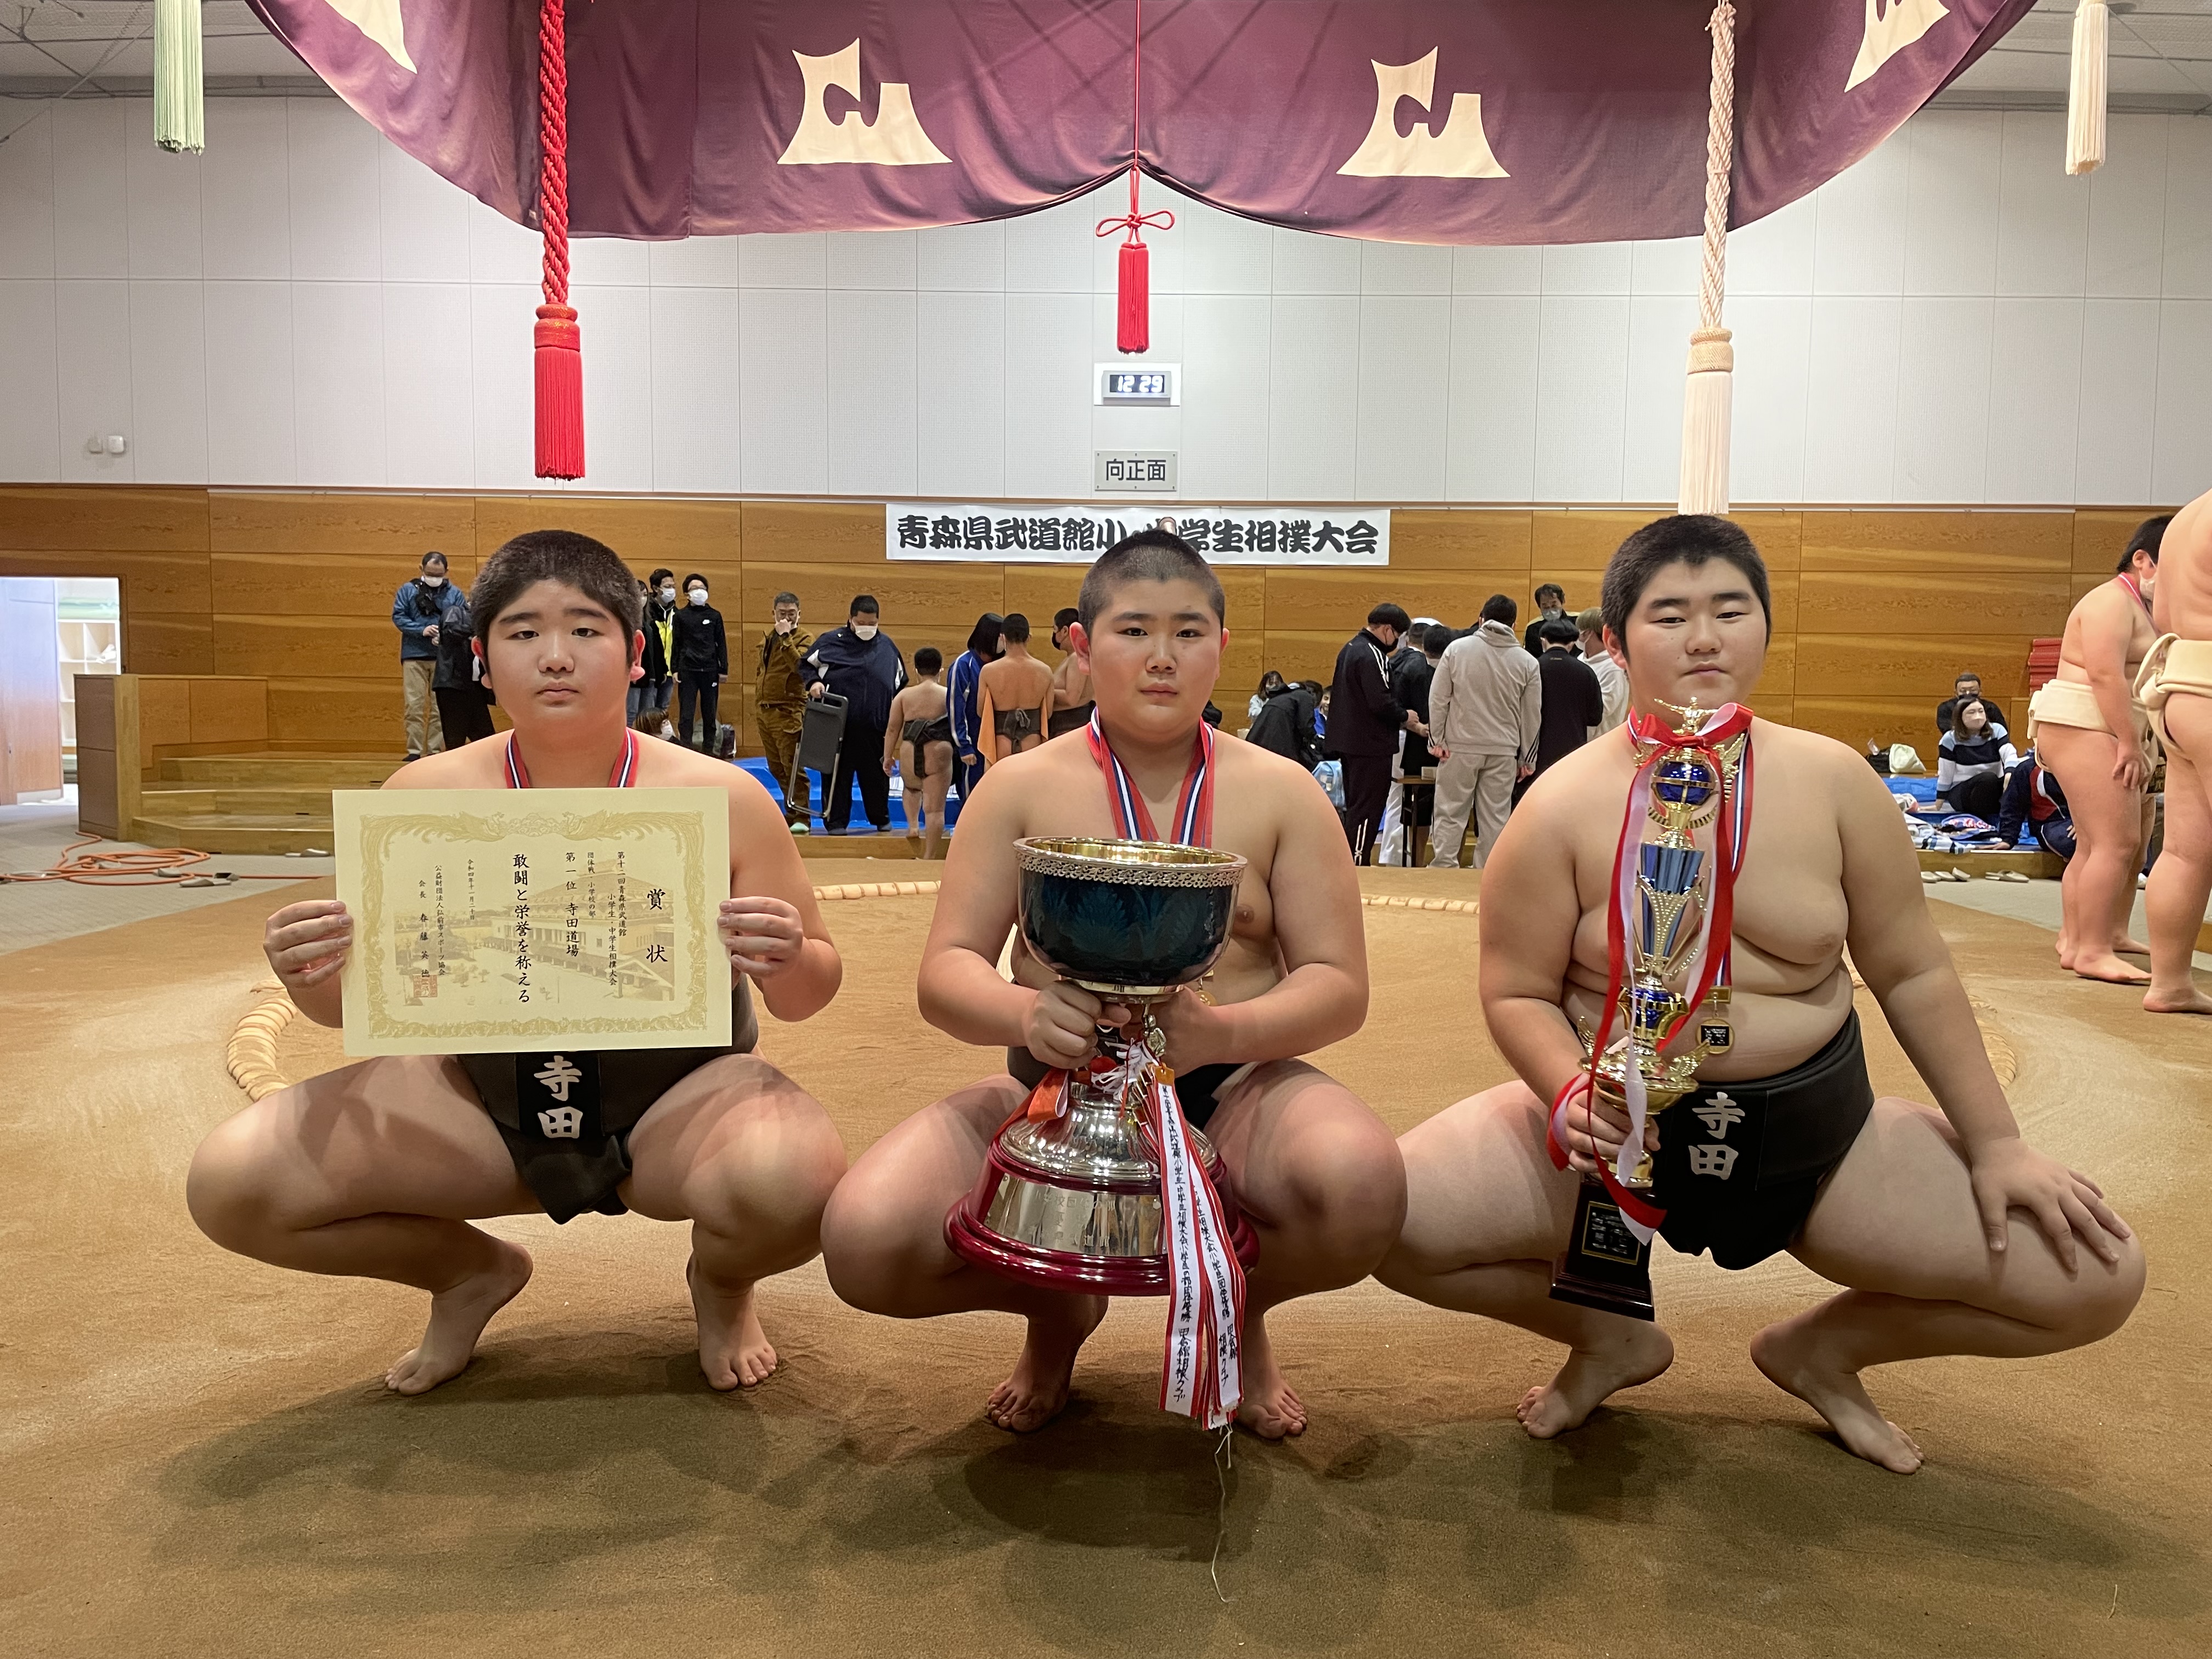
(1136, 917)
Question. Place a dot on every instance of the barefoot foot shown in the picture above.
(2187, 1000)
(1034, 1394)
(1271, 1408)
(1591, 1375)
(734, 1351)
(2133, 947)
(2109, 968)
(1792, 1364)
(457, 1317)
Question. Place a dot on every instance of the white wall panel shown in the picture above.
(1405, 395)
(168, 382)
(859, 258)
(783, 389)
(1659, 326)
(162, 211)
(27, 191)
(1950, 201)
(2118, 401)
(1490, 454)
(1139, 428)
(424, 221)
(618, 362)
(1313, 395)
(801, 260)
(695, 262)
(1497, 270)
(1581, 393)
(608, 262)
(1047, 429)
(960, 409)
(1944, 399)
(1224, 253)
(1589, 268)
(2035, 400)
(1858, 239)
(337, 382)
(92, 360)
(30, 413)
(2188, 255)
(502, 378)
(91, 231)
(246, 190)
(250, 419)
(1305, 264)
(1850, 409)
(1052, 252)
(1775, 255)
(429, 385)
(2042, 215)
(2181, 454)
(1674, 266)
(963, 258)
(1404, 268)
(1773, 369)
(696, 406)
(337, 211)
(873, 390)
(501, 250)
(1225, 398)
(2127, 209)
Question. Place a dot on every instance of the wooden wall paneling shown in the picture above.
(157, 581)
(1941, 599)
(1778, 535)
(309, 647)
(96, 805)
(165, 714)
(396, 530)
(1039, 590)
(1783, 711)
(644, 531)
(1779, 677)
(1886, 720)
(1297, 654)
(1573, 540)
(1308, 599)
(159, 644)
(814, 533)
(2084, 583)
(1464, 539)
(225, 710)
(103, 519)
(1854, 665)
(336, 715)
(269, 587)
(921, 603)
(2099, 537)
(1905, 543)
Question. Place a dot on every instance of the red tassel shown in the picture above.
(1134, 319)
(560, 393)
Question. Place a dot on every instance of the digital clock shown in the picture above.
(1157, 386)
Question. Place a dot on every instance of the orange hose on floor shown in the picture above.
(147, 866)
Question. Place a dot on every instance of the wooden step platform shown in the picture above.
(237, 832)
(325, 773)
(251, 801)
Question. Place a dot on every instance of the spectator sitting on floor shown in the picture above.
(2032, 798)
(1969, 686)
(1973, 759)
(1285, 724)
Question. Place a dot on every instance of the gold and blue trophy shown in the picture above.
(1607, 1264)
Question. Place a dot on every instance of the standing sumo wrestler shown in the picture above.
(1314, 1171)
(1951, 1234)
(2175, 688)
(376, 1170)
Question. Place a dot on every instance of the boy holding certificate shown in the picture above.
(376, 1170)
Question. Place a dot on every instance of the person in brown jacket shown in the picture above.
(780, 710)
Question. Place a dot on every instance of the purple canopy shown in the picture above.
(1406, 120)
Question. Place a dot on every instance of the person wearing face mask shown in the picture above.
(1550, 606)
(416, 609)
(780, 710)
(650, 697)
(859, 663)
(703, 663)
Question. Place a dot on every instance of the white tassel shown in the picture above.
(180, 113)
(2085, 91)
(1709, 390)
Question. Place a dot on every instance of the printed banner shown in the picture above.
(1002, 534)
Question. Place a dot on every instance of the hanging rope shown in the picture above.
(1132, 324)
(2085, 87)
(1708, 390)
(559, 356)
(180, 89)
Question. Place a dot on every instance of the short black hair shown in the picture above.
(1016, 628)
(2149, 534)
(1557, 630)
(1554, 590)
(1386, 615)
(1064, 615)
(983, 637)
(1150, 555)
(1691, 538)
(662, 574)
(1500, 608)
(696, 577)
(593, 569)
(785, 598)
(863, 605)
(1439, 636)
(1967, 674)
(928, 659)
(432, 558)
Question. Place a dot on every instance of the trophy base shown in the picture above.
(1604, 1266)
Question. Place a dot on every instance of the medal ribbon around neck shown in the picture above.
(1202, 1370)
(2130, 584)
(1711, 962)
(624, 774)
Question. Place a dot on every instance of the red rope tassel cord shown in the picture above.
(1132, 327)
(559, 342)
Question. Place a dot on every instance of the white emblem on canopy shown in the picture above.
(1891, 26)
(1461, 150)
(380, 22)
(895, 139)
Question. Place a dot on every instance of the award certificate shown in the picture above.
(510, 920)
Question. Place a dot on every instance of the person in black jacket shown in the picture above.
(650, 696)
(861, 664)
(1285, 725)
(464, 700)
(1574, 702)
(1364, 722)
(703, 663)
(1551, 606)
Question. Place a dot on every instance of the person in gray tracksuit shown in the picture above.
(1486, 705)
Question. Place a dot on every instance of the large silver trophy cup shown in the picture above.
(1072, 1202)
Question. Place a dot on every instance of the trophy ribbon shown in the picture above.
(1132, 819)
(1710, 962)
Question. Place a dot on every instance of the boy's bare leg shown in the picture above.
(2181, 880)
(910, 795)
(750, 1158)
(1322, 1184)
(1896, 1223)
(934, 787)
(374, 1171)
(1487, 1214)
(2107, 822)
(883, 1242)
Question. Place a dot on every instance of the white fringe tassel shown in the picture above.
(179, 109)
(2085, 91)
(1708, 391)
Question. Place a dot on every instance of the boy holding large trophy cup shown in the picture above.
(1288, 1159)
(1663, 925)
